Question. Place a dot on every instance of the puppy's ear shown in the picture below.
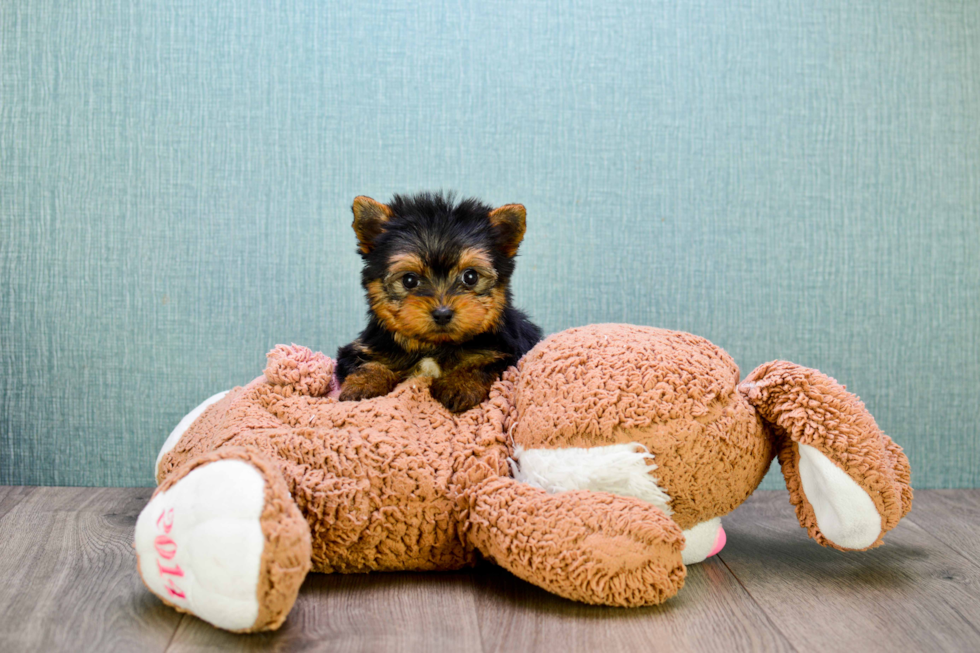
(370, 218)
(509, 221)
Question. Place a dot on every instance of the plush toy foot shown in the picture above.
(848, 481)
(703, 541)
(222, 540)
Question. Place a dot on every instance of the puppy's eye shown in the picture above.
(410, 281)
(470, 277)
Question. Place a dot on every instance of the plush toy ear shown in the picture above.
(370, 218)
(509, 221)
(849, 482)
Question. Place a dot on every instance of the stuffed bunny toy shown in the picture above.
(597, 469)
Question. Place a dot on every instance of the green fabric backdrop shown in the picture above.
(789, 179)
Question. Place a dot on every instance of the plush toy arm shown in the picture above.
(593, 547)
(302, 370)
(848, 481)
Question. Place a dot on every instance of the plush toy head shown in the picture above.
(711, 437)
(598, 468)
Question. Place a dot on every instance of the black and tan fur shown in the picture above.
(437, 277)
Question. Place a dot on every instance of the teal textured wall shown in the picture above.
(791, 180)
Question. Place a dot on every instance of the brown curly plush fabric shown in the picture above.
(377, 480)
(606, 549)
(397, 482)
(674, 393)
(808, 407)
(301, 370)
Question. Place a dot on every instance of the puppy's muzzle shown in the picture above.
(442, 315)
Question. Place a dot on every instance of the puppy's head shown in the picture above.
(437, 271)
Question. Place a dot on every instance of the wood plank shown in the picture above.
(71, 584)
(397, 612)
(913, 593)
(10, 496)
(710, 613)
(70, 580)
(951, 516)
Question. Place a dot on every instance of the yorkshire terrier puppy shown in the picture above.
(437, 277)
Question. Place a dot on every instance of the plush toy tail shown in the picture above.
(848, 481)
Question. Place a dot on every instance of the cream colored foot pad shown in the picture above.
(200, 543)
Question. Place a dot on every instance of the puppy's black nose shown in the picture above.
(442, 315)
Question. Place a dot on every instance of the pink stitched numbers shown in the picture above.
(167, 549)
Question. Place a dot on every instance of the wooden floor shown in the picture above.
(69, 583)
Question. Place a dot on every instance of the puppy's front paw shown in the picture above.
(357, 391)
(459, 393)
(371, 380)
